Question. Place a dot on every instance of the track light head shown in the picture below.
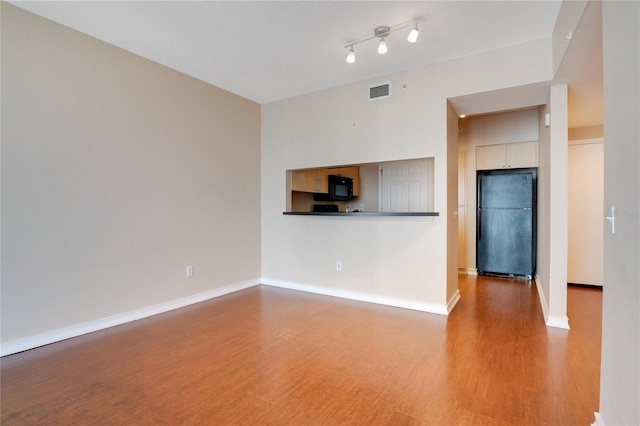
(382, 46)
(351, 57)
(413, 35)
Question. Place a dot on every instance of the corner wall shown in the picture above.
(116, 175)
(551, 277)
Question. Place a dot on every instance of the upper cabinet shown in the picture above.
(507, 156)
(311, 180)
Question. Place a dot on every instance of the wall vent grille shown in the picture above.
(380, 91)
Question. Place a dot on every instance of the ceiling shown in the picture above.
(271, 50)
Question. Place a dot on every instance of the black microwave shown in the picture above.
(340, 188)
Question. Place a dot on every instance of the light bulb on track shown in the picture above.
(382, 47)
(351, 57)
(413, 35)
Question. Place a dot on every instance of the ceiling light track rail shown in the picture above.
(383, 31)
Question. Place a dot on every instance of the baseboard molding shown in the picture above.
(550, 320)
(558, 322)
(543, 299)
(472, 271)
(453, 301)
(599, 421)
(364, 297)
(49, 337)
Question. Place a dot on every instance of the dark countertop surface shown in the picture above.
(360, 214)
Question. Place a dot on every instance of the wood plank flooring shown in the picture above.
(274, 356)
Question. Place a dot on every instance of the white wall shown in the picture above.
(551, 276)
(544, 209)
(559, 210)
(620, 362)
(390, 258)
(116, 174)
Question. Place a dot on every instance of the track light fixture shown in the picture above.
(413, 35)
(383, 31)
(351, 57)
(382, 46)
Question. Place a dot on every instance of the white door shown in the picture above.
(405, 186)
(586, 212)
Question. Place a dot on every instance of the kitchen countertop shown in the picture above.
(374, 214)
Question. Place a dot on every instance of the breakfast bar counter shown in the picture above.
(366, 214)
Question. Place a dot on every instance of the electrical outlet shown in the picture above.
(338, 265)
(361, 207)
(189, 271)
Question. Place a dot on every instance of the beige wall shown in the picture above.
(117, 173)
(385, 258)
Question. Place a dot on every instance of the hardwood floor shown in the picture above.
(272, 356)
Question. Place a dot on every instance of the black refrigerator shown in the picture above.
(506, 223)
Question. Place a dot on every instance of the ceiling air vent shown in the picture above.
(380, 91)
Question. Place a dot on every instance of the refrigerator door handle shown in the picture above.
(479, 222)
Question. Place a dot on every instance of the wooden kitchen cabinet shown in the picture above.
(311, 180)
(507, 156)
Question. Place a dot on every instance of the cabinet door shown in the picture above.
(299, 180)
(321, 181)
(521, 155)
(507, 156)
(490, 157)
(312, 180)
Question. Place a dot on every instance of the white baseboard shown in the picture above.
(599, 421)
(543, 299)
(453, 301)
(472, 271)
(102, 323)
(364, 297)
(558, 322)
(550, 320)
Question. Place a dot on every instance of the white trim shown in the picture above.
(558, 322)
(543, 300)
(589, 141)
(362, 297)
(453, 301)
(472, 271)
(102, 323)
(550, 320)
(599, 421)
